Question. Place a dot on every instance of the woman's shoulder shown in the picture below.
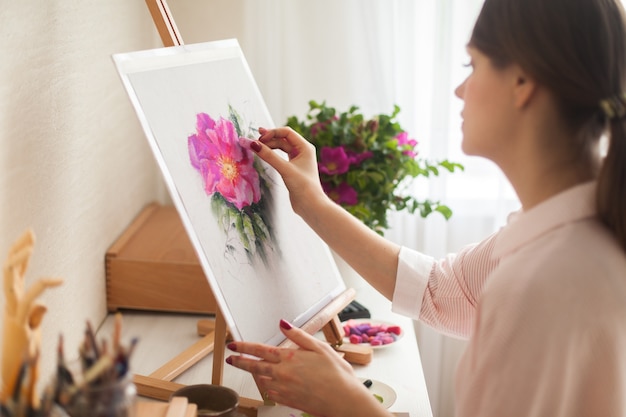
(574, 248)
(582, 247)
(578, 265)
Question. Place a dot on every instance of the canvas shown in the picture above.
(199, 105)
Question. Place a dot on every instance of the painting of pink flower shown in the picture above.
(235, 184)
(225, 166)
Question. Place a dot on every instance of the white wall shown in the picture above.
(74, 164)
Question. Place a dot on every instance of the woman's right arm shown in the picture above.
(442, 293)
(371, 255)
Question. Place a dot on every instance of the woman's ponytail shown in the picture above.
(611, 193)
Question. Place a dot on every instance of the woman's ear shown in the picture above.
(524, 88)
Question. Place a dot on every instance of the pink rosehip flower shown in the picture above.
(342, 194)
(318, 127)
(321, 126)
(226, 167)
(356, 158)
(333, 161)
(404, 142)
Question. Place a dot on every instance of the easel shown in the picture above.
(159, 384)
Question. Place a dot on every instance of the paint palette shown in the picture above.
(383, 393)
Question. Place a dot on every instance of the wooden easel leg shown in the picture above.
(154, 388)
(170, 36)
(158, 384)
(186, 359)
(219, 349)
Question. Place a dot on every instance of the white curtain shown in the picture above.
(374, 54)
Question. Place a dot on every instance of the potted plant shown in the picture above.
(367, 164)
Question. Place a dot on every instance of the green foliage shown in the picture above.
(383, 163)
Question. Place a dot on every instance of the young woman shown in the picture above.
(542, 301)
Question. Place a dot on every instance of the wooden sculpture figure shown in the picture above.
(21, 322)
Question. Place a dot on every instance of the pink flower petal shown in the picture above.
(226, 167)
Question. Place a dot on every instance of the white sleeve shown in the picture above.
(414, 270)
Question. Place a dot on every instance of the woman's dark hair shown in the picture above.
(577, 49)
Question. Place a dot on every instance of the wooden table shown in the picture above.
(162, 336)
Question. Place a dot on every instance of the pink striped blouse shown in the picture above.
(543, 303)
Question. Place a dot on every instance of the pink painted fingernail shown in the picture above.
(255, 146)
(232, 346)
(285, 324)
(229, 360)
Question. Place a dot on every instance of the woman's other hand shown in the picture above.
(313, 378)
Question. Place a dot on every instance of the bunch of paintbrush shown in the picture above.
(19, 403)
(91, 383)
